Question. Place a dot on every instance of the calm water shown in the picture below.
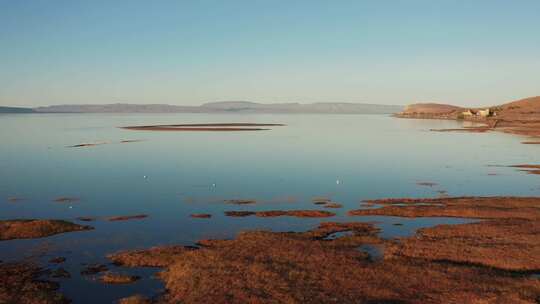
(372, 156)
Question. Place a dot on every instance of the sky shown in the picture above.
(463, 52)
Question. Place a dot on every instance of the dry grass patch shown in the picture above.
(153, 257)
(201, 215)
(276, 213)
(19, 283)
(508, 244)
(271, 267)
(118, 278)
(127, 217)
(29, 229)
(135, 299)
(468, 207)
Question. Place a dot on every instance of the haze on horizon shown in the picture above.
(191, 52)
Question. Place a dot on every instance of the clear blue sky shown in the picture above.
(189, 52)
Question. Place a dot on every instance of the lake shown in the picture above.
(170, 175)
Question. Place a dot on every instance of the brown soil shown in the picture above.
(241, 201)
(135, 299)
(271, 267)
(19, 283)
(153, 257)
(469, 207)
(65, 199)
(127, 217)
(29, 229)
(275, 213)
(427, 184)
(531, 142)
(201, 215)
(117, 278)
(94, 269)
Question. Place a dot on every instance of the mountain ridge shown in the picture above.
(226, 107)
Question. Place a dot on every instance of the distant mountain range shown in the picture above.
(220, 107)
(15, 110)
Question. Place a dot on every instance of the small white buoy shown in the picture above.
(338, 181)
(70, 207)
(214, 185)
(145, 177)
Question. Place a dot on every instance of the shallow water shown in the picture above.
(170, 175)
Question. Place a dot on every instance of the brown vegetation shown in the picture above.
(57, 260)
(241, 201)
(66, 199)
(201, 215)
(333, 205)
(127, 217)
(271, 267)
(471, 130)
(85, 219)
(275, 213)
(60, 273)
(531, 169)
(87, 145)
(469, 207)
(117, 278)
(19, 283)
(135, 299)
(509, 244)
(15, 199)
(94, 269)
(205, 127)
(153, 257)
(510, 240)
(29, 229)
(239, 213)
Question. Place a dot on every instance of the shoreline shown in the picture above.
(502, 248)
